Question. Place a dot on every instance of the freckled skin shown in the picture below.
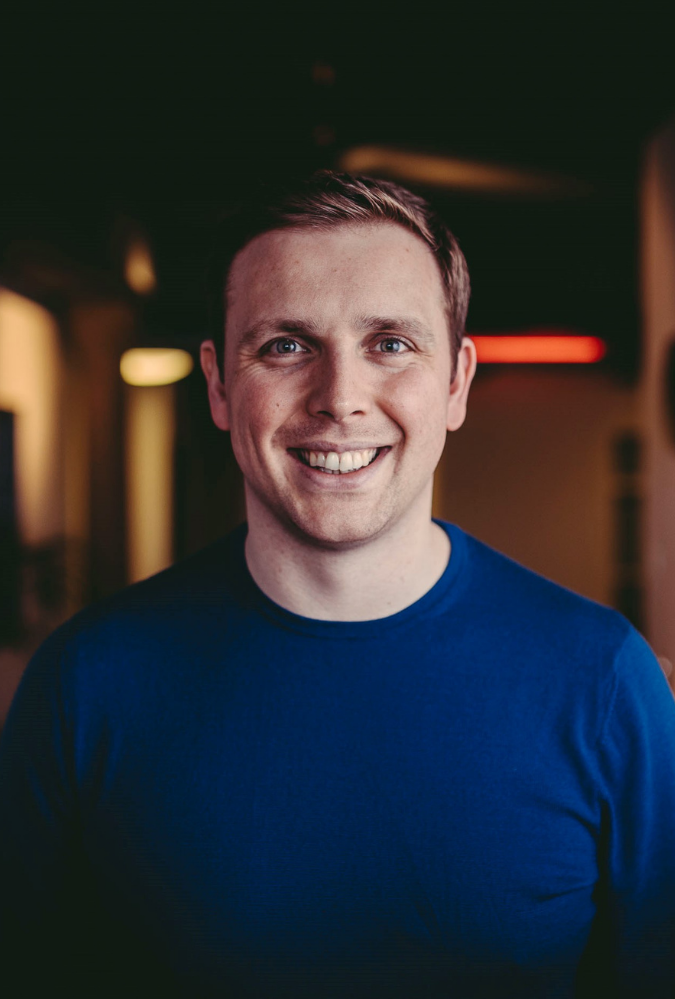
(341, 384)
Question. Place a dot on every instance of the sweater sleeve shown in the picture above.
(38, 878)
(637, 792)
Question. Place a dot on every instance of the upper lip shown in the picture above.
(337, 448)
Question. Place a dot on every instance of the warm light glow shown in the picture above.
(155, 365)
(323, 74)
(551, 349)
(457, 174)
(138, 268)
(31, 373)
(150, 434)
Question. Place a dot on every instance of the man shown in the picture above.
(348, 750)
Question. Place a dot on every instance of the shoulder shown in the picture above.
(585, 657)
(517, 601)
(160, 615)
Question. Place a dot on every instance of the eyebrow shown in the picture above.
(406, 325)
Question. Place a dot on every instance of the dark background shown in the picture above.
(167, 117)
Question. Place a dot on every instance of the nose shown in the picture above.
(340, 387)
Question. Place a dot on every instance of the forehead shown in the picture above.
(375, 267)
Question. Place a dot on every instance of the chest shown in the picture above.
(332, 818)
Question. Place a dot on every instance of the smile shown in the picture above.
(338, 464)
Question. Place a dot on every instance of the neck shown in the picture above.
(374, 580)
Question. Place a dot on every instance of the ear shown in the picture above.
(461, 383)
(215, 385)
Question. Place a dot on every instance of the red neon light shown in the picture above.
(548, 349)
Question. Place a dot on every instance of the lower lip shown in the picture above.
(342, 481)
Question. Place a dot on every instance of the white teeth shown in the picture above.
(347, 461)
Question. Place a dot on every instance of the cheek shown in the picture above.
(259, 406)
(417, 402)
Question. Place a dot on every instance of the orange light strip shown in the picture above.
(548, 349)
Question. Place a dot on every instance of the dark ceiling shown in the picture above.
(167, 119)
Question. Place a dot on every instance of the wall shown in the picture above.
(531, 472)
(658, 299)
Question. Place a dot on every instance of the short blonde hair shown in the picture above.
(328, 199)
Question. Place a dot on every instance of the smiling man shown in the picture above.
(348, 751)
(339, 389)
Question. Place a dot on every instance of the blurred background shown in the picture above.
(548, 146)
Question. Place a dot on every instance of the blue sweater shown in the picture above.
(203, 794)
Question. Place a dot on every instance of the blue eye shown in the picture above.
(285, 346)
(392, 346)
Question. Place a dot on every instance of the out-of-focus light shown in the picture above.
(324, 135)
(155, 365)
(150, 433)
(458, 174)
(31, 374)
(323, 74)
(139, 271)
(539, 349)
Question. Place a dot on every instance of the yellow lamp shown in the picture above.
(155, 365)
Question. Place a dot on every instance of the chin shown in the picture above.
(338, 530)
